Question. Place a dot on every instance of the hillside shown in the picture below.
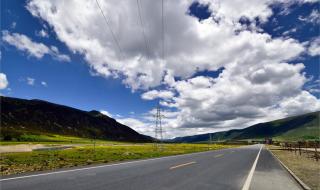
(302, 127)
(21, 117)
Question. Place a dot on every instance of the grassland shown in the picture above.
(56, 139)
(14, 163)
(304, 166)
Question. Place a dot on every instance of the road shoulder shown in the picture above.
(304, 167)
(269, 174)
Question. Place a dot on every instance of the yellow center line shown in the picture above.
(219, 155)
(181, 165)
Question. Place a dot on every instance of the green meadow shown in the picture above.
(55, 139)
(14, 163)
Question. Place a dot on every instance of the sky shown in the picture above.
(212, 65)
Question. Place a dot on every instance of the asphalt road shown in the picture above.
(250, 167)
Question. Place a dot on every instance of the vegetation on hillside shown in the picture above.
(21, 118)
(302, 127)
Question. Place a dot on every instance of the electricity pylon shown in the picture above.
(158, 129)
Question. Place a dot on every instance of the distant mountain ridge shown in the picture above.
(20, 116)
(302, 127)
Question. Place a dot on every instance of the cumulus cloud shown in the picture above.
(288, 32)
(209, 102)
(313, 18)
(104, 112)
(138, 125)
(153, 94)
(38, 50)
(3, 81)
(54, 52)
(30, 81)
(313, 86)
(24, 43)
(80, 29)
(302, 103)
(257, 82)
(13, 25)
(42, 33)
(43, 83)
(314, 48)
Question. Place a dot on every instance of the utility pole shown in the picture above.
(210, 141)
(94, 147)
(158, 129)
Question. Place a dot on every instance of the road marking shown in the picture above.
(102, 166)
(219, 155)
(249, 178)
(181, 165)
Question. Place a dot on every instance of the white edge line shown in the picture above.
(93, 167)
(249, 178)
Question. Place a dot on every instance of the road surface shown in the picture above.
(250, 167)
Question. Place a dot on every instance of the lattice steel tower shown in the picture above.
(158, 129)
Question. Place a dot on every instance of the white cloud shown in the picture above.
(30, 81)
(138, 125)
(286, 6)
(314, 17)
(13, 25)
(3, 81)
(153, 94)
(79, 28)
(288, 32)
(57, 56)
(24, 43)
(233, 10)
(104, 112)
(314, 48)
(302, 103)
(313, 86)
(43, 83)
(254, 86)
(237, 95)
(38, 50)
(42, 33)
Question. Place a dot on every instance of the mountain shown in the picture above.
(302, 127)
(20, 117)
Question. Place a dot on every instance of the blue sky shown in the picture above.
(68, 83)
(87, 74)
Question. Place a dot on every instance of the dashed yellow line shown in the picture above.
(181, 165)
(219, 155)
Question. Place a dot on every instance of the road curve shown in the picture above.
(220, 169)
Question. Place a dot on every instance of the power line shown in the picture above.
(112, 33)
(159, 116)
(142, 29)
(162, 26)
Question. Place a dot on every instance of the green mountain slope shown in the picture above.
(302, 127)
(21, 117)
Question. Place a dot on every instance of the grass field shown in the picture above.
(56, 139)
(14, 163)
(304, 166)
